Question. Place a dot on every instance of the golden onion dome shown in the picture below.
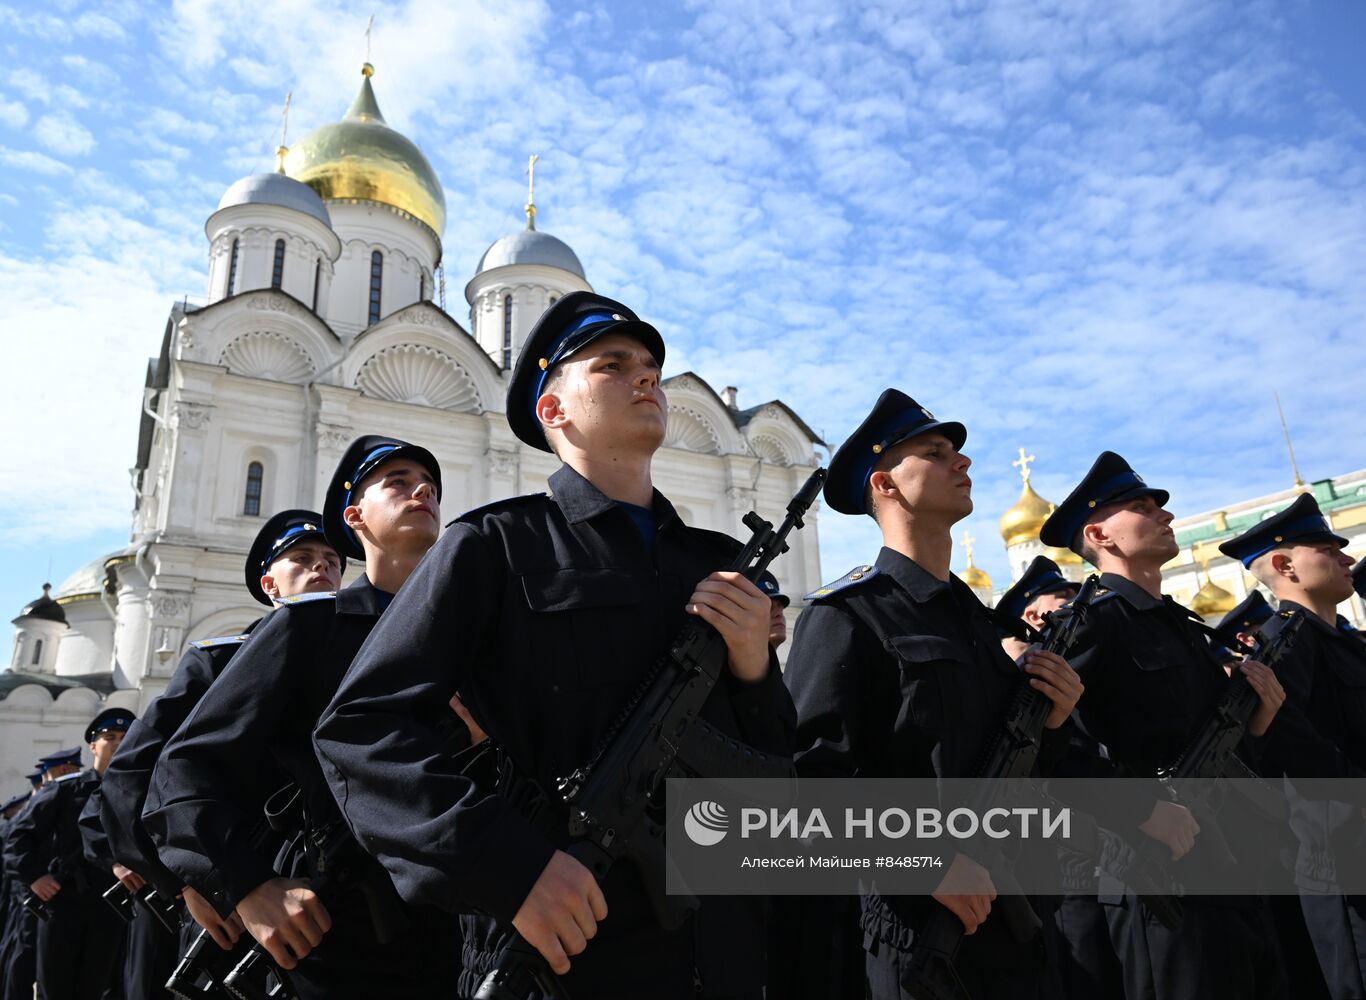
(360, 158)
(1212, 599)
(1022, 522)
(976, 578)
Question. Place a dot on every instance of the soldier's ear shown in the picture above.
(1282, 564)
(1094, 536)
(550, 412)
(268, 585)
(881, 484)
(353, 517)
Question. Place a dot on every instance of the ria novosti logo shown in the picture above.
(706, 823)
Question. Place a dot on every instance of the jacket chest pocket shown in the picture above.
(932, 671)
(590, 626)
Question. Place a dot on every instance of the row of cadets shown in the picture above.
(325, 910)
(289, 556)
(76, 948)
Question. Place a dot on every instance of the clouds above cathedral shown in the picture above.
(1074, 226)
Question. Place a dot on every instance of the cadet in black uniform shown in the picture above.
(346, 934)
(18, 948)
(897, 671)
(78, 945)
(9, 900)
(1040, 589)
(546, 612)
(1151, 679)
(290, 555)
(1298, 557)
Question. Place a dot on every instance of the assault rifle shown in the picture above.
(207, 972)
(34, 905)
(1196, 777)
(615, 800)
(1013, 754)
(124, 903)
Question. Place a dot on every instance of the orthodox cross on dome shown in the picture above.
(530, 206)
(369, 27)
(283, 148)
(1294, 466)
(1023, 464)
(968, 542)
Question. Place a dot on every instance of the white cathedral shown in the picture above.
(321, 325)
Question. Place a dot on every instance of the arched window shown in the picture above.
(251, 503)
(232, 270)
(277, 272)
(37, 652)
(317, 279)
(422, 287)
(376, 281)
(507, 333)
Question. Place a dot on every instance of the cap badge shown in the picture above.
(544, 363)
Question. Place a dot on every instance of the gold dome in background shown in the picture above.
(1022, 522)
(975, 578)
(360, 158)
(1212, 599)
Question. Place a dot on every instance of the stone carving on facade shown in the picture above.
(770, 449)
(421, 317)
(170, 605)
(690, 431)
(192, 416)
(504, 461)
(267, 354)
(278, 304)
(334, 436)
(424, 376)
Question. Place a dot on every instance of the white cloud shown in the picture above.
(30, 160)
(13, 114)
(63, 134)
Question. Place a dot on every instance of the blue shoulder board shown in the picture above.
(857, 575)
(1104, 596)
(222, 640)
(306, 598)
(496, 506)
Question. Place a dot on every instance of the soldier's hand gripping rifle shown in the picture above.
(615, 801)
(1011, 756)
(207, 972)
(1195, 779)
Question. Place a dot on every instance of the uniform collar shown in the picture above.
(1331, 628)
(1132, 592)
(360, 598)
(910, 575)
(581, 500)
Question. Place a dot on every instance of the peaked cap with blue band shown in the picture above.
(1302, 521)
(109, 721)
(1042, 577)
(281, 533)
(895, 418)
(1359, 578)
(61, 758)
(36, 778)
(570, 325)
(364, 455)
(1111, 480)
(1248, 616)
(768, 583)
(18, 800)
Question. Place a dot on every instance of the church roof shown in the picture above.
(276, 189)
(45, 608)
(530, 246)
(89, 579)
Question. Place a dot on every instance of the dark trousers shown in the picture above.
(1226, 950)
(1337, 927)
(150, 955)
(78, 947)
(1081, 953)
(990, 964)
(18, 966)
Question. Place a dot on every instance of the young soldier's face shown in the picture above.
(1139, 529)
(397, 505)
(777, 624)
(1045, 603)
(304, 568)
(103, 748)
(1322, 569)
(610, 397)
(932, 476)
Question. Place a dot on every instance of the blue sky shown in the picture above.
(1072, 225)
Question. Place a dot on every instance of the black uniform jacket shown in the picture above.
(545, 613)
(44, 839)
(204, 805)
(94, 841)
(124, 790)
(1324, 676)
(900, 675)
